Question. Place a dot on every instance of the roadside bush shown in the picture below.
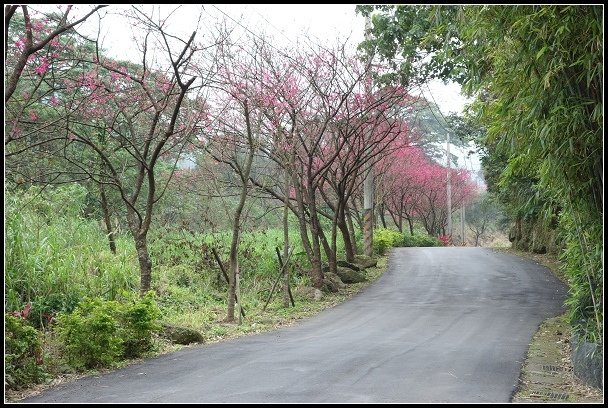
(386, 238)
(98, 333)
(22, 354)
(90, 334)
(138, 318)
(420, 240)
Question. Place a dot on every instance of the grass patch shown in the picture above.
(208, 319)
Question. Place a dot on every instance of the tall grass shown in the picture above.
(54, 256)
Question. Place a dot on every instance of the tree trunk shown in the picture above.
(395, 219)
(381, 213)
(332, 256)
(236, 226)
(325, 243)
(141, 246)
(107, 219)
(286, 241)
(317, 271)
(302, 220)
(234, 266)
(341, 224)
(348, 244)
(351, 229)
(145, 264)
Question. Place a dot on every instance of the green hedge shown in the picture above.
(22, 353)
(99, 332)
(387, 238)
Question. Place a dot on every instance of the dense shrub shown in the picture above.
(22, 353)
(385, 239)
(138, 319)
(90, 334)
(420, 240)
(99, 332)
(54, 256)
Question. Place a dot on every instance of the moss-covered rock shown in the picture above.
(181, 335)
(365, 262)
(346, 264)
(349, 276)
(534, 236)
(332, 283)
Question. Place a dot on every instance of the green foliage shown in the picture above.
(484, 214)
(422, 37)
(582, 262)
(22, 354)
(98, 333)
(139, 320)
(385, 239)
(54, 256)
(420, 240)
(537, 72)
(90, 334)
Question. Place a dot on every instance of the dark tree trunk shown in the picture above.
(302, 220)
(397, 219)
(381, 211)
(286, 240)
(332, 255)
(317, 271)
(349, 248)
(411, 225)
(234, 274)
(145, 264)
(107, 219)
(351, 229)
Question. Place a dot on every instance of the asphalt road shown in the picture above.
(441, 325)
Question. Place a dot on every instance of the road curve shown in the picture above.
(441, 325)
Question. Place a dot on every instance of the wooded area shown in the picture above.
(143, 177)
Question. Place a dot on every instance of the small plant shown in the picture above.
(98, 333)
(420, 240)
(386, 238)
(23, 363)
(138, 318)
(445, 239)
(90, 334)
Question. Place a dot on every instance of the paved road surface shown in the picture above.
(441, 325)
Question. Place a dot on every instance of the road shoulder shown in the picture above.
(547, 374)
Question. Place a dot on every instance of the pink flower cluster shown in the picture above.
(43, 67)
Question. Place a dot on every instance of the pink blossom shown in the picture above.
(33, 116)
(43, 67)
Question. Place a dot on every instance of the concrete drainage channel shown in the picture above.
(547, 374)
(550, 395)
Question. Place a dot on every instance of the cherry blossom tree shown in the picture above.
(116, 122)
(36, 35)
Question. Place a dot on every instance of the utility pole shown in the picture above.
(368, 184)
(449, 195)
